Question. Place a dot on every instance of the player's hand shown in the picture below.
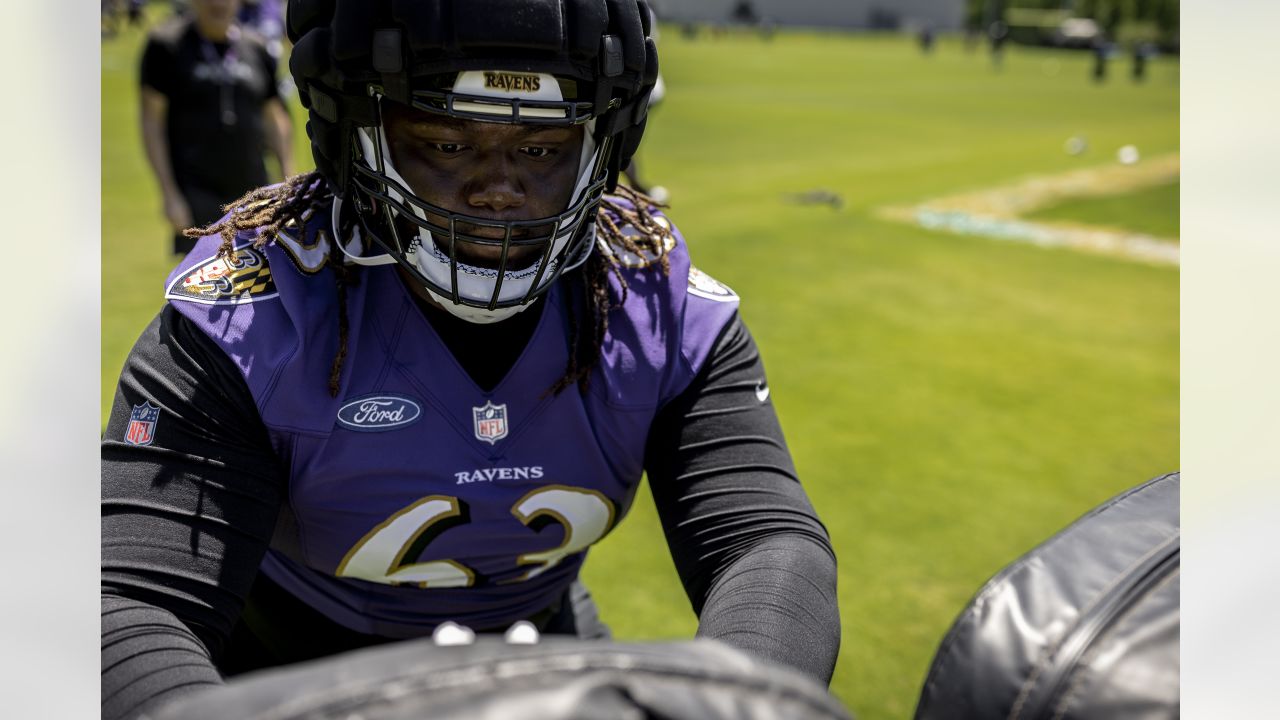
(177, 212)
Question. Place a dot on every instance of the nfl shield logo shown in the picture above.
(490, 421)
(142, 424)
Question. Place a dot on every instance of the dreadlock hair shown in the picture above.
(650, 241)
(266, 211)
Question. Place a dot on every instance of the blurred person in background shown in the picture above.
(111, 11)
(210, 108)
(135, 12)
(266, 17)
(926, 38)
(998, 34)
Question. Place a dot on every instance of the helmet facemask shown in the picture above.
(431, 241)
(583, 63)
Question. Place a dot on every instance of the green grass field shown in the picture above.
(1153, 211)
(950, 401)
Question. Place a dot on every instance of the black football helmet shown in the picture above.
(555, 62)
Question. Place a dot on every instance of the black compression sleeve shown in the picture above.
(754, 559)
(270, 71)
(148, 658)
(186, 517)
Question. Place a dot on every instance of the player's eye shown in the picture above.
(447, 148)
(537, 151)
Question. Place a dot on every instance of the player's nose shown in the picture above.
(495, 187)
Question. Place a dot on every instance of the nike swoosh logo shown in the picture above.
(762, 391)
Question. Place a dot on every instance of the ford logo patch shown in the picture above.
(376, 413)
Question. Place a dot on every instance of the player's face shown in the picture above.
(490, 170)
(215, 12)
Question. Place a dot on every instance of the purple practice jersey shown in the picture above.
(415, 497)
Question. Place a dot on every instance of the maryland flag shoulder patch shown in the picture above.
(245, 278)
(705, 286)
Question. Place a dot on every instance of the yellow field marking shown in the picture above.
(996, 212)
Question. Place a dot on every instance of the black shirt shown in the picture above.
(216, 93)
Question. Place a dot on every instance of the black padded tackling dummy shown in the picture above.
(557, 679)
(1084, 626)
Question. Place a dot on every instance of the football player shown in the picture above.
(414, 386)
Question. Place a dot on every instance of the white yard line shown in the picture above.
(994, 212)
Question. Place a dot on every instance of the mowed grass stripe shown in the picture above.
(950, 402)
(1152, 210)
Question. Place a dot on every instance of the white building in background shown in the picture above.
(937, 14)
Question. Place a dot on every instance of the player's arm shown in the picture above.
(279, 133)
(156, 81)
(755, 561)
(276, 122)
(155, 108)
(189, 501)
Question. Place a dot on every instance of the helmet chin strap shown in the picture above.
(352, 248)
(476, 315)
(424, 253)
